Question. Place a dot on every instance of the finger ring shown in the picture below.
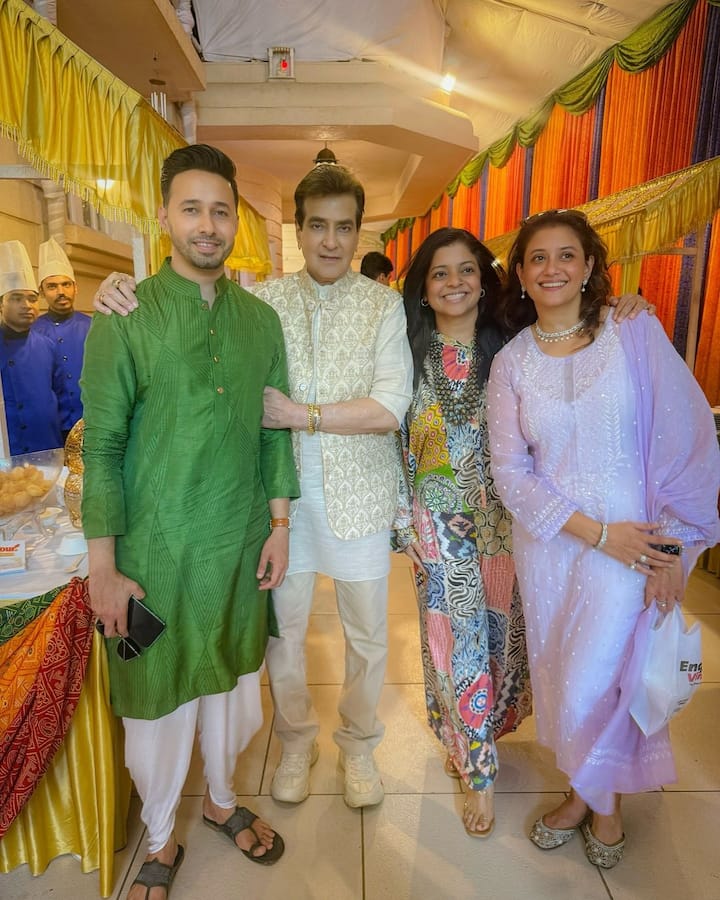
(643, 559)
(101, 295)
(633, 566)
(662, 603)
(116, 282)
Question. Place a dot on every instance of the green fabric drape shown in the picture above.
(639, 51)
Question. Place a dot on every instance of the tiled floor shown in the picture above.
(413, 847)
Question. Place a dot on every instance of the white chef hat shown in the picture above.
(16, 273)
(53, 261)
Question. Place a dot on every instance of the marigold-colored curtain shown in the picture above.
(561, 161)
(707, 362)
(649, 117)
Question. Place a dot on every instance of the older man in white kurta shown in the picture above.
(350, 373)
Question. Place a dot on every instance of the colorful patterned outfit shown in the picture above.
(474, 660)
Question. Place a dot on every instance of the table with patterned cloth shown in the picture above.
(63, 786)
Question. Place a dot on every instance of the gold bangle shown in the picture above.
(280, 523)
(314, 417)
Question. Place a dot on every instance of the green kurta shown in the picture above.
(179, 469)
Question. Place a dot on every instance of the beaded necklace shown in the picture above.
(458, 405)
(552, 337)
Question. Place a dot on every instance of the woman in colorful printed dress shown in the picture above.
(604, 449)
(450, 520)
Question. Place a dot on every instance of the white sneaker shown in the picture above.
(291, 781)
(363, 786)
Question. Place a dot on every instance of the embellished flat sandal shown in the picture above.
(241, 819)
(450, 768)
(488, 822)
(547, 838)
(603, 855)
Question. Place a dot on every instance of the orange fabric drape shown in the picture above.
(649, 118)
(561, 161)
(707, 363)
(440, 217)
(466, 208)
(660, 284)
(505, 195)
(420, 230)
(403, 251)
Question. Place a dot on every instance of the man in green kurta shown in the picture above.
(185, 505)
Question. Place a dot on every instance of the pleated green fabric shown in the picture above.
(179, 469)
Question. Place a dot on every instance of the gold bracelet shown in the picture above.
(280, 523)
(314, 417)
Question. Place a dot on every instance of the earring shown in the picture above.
(482, 293)
(423, 302)
(522, 291)
(584, 285)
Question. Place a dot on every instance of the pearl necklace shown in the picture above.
(552, 337)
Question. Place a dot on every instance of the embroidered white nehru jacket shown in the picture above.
(359, 349)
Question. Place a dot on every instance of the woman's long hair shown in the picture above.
(517, 312)
(489, 334)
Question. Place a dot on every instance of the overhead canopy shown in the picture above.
(650, 217)
(507, 57)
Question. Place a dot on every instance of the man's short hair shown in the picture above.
(374, 264)
(202, 157)
(328, 181)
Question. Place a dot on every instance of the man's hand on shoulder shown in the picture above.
(116, 295)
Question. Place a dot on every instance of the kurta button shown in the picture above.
(221, 390)
(11, 362)
(205, 306)
(64, 358)
(68, 375)
(216, 359)
(212, 331)
(60, 340)
(302, 386)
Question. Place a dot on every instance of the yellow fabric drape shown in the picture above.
(649, 217)
(78, 124)
(81, 804)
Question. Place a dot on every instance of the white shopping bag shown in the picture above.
(671, 673)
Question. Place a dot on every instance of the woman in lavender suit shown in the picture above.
(604, 451)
